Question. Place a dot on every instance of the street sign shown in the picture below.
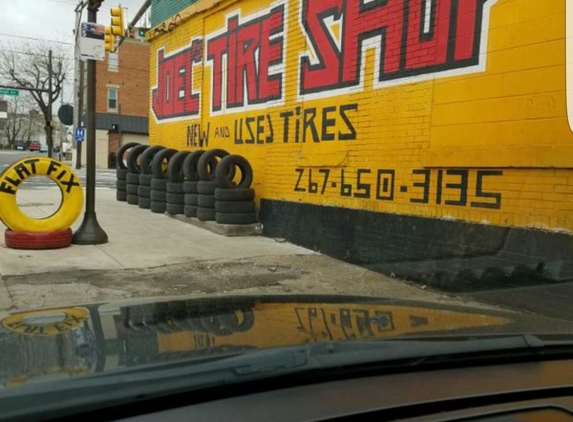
(11, 92)
(92, 41)
(81, 134)
(66, 114)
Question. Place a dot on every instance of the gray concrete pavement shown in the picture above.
(152, 255)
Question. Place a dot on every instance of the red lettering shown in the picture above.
(327, 72)
(174, 95)
(428, 33)
(439, 35)
(251, 49)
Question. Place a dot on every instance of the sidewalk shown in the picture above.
(137, 239)
(150, 255)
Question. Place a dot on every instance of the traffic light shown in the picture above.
(109, 39)
(117, 21)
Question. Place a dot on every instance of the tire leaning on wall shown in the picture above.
(70, 188)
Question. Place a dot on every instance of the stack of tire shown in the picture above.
(134, 167)
(122, 170)
(145, 177)
(234, 202)
(159, 168)
(175, 196)
(191, 198)
(206, 168)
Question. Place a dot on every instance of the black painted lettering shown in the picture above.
(260, 128)
(439, 190)
(22, 171)
(286, 116)
(54, 166)
(297, 187)
(350, 135)
(271, 136)
(238, 131)
(62, 174)
(71, 183)
(462, 186)
(249, 121)
(385, 185)
(6, 188)
(309, 123)
(32, 163)
(328, 123)
(425, 185)
(364, 187)
(496, 203)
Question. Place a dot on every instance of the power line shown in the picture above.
(36, 39)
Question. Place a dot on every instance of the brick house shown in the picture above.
(122, 100)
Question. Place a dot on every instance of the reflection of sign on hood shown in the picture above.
(285, 324)
(49, 322)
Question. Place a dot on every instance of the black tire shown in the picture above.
(158, 207)
(144, 191)
(173, 187)
(234, 207)
(121, 174)
(147, 158)
(175, 209)
(190, 187)
(133, 158)
(175, 168)
(206, 201)
(132, 189)
(121, 195)
(132, 199)
(158, 196)
(224, 169)
(190, 166)
(206, 172)
(206, 214)
(144, 203)
(238, 218)
(159, 184)
(190, 211)
(175, 198)
(120, 185)
(191, 199)
(132, 178)
(145, 179)
(121, 158)
(160, 159)
(207, 188)
(234, 194)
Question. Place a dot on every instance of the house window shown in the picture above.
(113, 62)
(112, 99)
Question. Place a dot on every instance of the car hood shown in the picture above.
(62, 343)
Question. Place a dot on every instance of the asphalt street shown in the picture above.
(105, 179)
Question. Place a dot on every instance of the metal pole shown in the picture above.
(50, 139)
(90, 232)
(80, 112)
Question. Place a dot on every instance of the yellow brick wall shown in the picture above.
(486, 142)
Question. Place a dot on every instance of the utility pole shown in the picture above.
(90, 232)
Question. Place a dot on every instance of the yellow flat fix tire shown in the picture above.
(69, 183)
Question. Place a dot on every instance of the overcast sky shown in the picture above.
(49, 20)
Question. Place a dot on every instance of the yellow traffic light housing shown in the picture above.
(109, 39)
(117, 21)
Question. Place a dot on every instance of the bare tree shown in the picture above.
(28, 66)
